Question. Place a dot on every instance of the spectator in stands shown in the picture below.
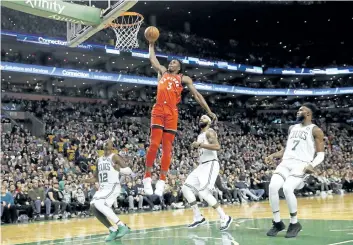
(255, 186)
(244, 188)
(80, 198)
(8, 208)
(22, 202)
(347, 182)
(38, 199)
(71, 206)
(132, 196)
(56, 198)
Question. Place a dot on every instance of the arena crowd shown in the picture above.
(43, 177)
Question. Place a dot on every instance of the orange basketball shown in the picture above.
(152, 34)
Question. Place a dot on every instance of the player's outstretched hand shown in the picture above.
(213, 117)
(309, 169)
(269, 159)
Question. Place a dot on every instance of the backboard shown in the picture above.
(78, 33)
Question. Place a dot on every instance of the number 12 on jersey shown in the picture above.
(103, 177)
(296, 143)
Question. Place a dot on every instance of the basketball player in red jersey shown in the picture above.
(164, 119)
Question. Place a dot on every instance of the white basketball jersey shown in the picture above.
(204, 154)
(106, 172)
(300, 143)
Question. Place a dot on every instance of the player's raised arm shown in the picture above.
(198, 97)
(121, 165)
(154, 61)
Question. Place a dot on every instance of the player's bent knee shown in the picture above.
(188, 194)
(208, 197)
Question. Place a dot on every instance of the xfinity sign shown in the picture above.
(47, 5)
(57, 10)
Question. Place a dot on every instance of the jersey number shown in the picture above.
(103, 177)
(296, 143)
(169, 86)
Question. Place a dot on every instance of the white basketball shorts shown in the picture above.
(292, 167)
(107, 192)
(204, 176)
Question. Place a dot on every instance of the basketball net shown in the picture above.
(126, 28)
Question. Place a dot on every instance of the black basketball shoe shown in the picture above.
(293, 230)
(226, 223)
(277, 227)
(197, 223)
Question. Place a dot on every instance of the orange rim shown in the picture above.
(117, 25)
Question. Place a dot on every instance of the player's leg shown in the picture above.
(170, 129)
(294, 181)
(157, 126)
(101, 217)
(276, 183)
(167, 145)
(189, 189)
(103, 202)
(207, 181)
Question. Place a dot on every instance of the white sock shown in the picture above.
(120, 223)
(221, 213)
(196, 210)
(294, 219)
(112, 228)
(276, 217)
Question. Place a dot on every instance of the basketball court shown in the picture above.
(326, 221)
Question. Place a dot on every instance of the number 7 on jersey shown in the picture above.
(296, 143)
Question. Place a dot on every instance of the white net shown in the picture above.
(126, 28)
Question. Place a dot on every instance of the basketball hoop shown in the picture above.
(126, 28)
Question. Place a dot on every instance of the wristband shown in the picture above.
(320, 156)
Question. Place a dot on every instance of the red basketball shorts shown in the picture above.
(165, 117)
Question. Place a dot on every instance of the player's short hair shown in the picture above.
(311, 106)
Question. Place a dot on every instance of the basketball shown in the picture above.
(151, 33)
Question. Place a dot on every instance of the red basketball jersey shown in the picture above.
(169, 89)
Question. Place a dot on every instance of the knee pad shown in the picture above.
(208, 197)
